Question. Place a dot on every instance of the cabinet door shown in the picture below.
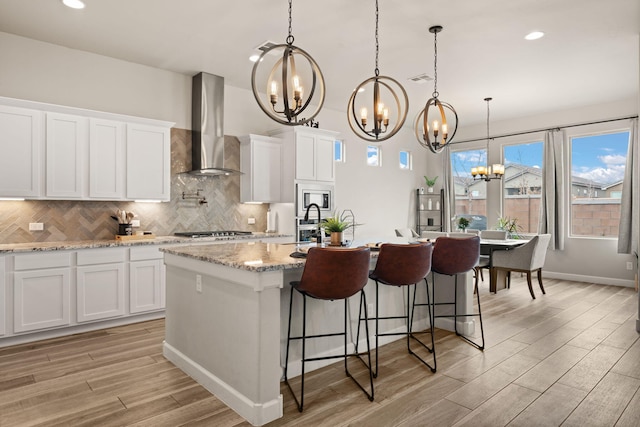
(100, 292)
(106, 159)
(41, 299)
(22, 148)
(324, 158)
(148, 162)
(305, 157)
(262, 181)
(66, 147)
(146, 286)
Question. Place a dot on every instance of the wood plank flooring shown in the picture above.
(571, 358)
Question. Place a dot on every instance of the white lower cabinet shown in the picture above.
(100, 284)
(146, 279)
(41, 296)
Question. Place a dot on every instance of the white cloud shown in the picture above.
(602, 175)
(615, 159)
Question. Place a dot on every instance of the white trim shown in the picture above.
(256, 413)
(588, 279)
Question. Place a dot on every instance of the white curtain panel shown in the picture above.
(552, 206)
(629, 207)
(449, 190)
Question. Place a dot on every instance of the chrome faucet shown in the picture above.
(306, 218)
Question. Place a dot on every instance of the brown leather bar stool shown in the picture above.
(330, 274)
(401, 265)
(453, 256)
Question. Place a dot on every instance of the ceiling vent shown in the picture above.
(267, 45)
(421, 78)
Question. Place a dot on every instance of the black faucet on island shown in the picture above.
(306, 218)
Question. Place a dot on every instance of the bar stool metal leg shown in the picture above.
(431, 329)
(344, 355)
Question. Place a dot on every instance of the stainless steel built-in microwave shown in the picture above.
(321, 195)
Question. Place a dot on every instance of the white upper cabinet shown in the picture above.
(325, 170)
(66, 144)
(106, 159)
(148, 162)
(21, 152)
(64, 153)
(261, 164)
(313, 153)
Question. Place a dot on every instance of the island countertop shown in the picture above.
(251, 256)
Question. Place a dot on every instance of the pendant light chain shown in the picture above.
(290, 36)
(488, 99)
(377, 71)
(435, 65)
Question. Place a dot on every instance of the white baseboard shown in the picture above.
(256, 413)
(588, 279)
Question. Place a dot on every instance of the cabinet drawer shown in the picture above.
(101, 256)
(42, 260)
(145, 252)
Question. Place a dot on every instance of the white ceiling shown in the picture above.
(588, 56)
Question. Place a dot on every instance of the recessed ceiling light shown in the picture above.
(74, 4)
(254, 58)
(534, 35)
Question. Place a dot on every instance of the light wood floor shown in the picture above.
(571, 357)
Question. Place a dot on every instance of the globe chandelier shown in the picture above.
(290, 88)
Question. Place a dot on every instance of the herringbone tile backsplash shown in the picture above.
(70, 220)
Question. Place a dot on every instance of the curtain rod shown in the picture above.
(545, 129)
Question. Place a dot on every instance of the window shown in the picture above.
(470, 195)
(338, 151)
(522, 184)
(406, 161)
(374, 155)
(597, 174)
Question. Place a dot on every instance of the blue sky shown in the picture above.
(600, 158)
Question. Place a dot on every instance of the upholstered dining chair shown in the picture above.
(433, 235)
(483, 262)
(406, 232)
(331, 274)
(493, 234)
(527, 258)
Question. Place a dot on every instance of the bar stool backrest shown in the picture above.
(455, 256)
(400, 265)
(333, 274)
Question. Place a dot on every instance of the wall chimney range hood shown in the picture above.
(207, 126)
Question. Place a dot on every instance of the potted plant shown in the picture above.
(509, 225)
(463, 223)
(335, 225)
(430, 182)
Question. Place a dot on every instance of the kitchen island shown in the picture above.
(226, 319)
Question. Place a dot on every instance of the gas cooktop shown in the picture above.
(221, 233)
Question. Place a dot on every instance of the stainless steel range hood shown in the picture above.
(207, 126)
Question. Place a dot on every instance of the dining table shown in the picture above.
(487, 247)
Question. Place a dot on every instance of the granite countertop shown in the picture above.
(252, 256)
(90, 244)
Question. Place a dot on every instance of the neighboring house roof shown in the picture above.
(518, 170)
